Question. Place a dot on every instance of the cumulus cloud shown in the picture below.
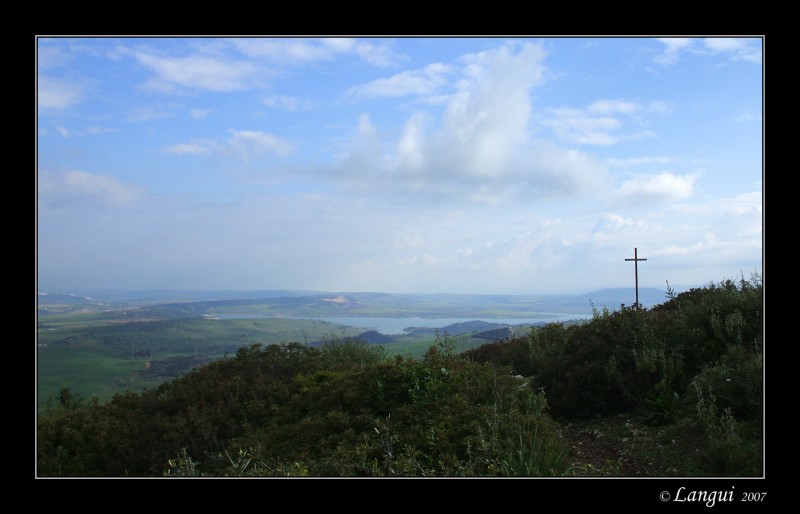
(665, 186)
(76, 184)
(479, 148)
(198, 72)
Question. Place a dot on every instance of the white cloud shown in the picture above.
(377, 55)
(198, 72)
(748, 117)
(189, 148)
(724, 44)
(613, 107)
(598, 124)
(675, 46)
(747, 49)
(745, 204)
(246, 145)
(249, 144)
(574, 125)
(303, 51)
(287, 103)
(290, 50)
(410, 153)
(636, 161)
(479, 149)
(752, 54)
(77, 184)
(57, 94)
(611, 222)
(485, 122)
(91, 131)
(426, 82)
(559, 171)
(665, 186)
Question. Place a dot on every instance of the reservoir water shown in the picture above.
(394, 326)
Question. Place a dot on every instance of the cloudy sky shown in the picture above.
(401, 165)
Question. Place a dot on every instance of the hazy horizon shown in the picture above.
(408, 165)
(305, 292)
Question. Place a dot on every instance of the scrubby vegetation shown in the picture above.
(691, 366)
(695, 360)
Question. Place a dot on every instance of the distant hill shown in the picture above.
(62, 298)
(59, 303)
(494, 335)
(375, 337)
(613, 298)
(457, 329)
(305, 304)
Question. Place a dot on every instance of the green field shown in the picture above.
(97, 357)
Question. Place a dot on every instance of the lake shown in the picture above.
(393, 326)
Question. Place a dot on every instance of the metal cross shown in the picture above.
(636, 260)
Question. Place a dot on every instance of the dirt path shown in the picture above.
(620, 446)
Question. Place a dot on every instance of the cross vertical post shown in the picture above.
(636, 260)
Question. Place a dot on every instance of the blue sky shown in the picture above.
(472, 165)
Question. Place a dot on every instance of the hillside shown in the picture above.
(679, 388)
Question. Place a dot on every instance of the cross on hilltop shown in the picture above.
(636, 260)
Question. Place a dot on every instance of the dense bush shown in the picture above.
(338, 410)
(637, 358)
(697, 356)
